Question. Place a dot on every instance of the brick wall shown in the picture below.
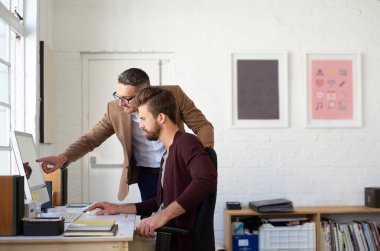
(309, 166)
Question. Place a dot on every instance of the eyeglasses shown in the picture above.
(123, 99)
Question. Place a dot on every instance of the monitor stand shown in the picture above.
(59, 180)
(49, 204)
(64, 178)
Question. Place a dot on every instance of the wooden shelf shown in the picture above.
(314, 213)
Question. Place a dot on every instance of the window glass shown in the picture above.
(5, 156)
(18, 6)
(4, 40)
(4, 83)
(12, 107)
(5, 3)
(4, 126)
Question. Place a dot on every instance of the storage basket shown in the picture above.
(300, 237)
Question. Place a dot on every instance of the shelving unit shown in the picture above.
(313, 213)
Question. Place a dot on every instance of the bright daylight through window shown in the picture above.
(11, 76)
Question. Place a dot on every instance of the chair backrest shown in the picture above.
(204, 227)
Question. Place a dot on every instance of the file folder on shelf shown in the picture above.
(274, 205)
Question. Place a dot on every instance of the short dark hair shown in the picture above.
(135, 77)
(158, 101)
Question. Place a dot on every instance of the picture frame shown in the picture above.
(260, 89)
(333, 90)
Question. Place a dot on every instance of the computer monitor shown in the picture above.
(25, 153)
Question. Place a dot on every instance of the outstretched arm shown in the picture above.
(111, 208)
(84, 144)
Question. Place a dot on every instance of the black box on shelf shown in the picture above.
(372, 197)
(233, 205)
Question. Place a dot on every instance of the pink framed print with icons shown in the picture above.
(334, 90)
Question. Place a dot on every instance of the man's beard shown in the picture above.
(153, 135)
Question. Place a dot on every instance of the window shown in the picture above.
(11, 77)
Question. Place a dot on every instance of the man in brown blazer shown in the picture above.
(141, 156)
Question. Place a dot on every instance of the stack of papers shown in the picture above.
(92, 228)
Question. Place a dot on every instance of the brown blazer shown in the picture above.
(115, 120)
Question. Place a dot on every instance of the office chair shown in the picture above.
(204, 239)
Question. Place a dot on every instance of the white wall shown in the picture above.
(308, 166)
(31, 76)
(45, 27)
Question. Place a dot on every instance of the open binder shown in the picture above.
(274, 205)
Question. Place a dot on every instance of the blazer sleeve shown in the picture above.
(92, 139)
(194, 118)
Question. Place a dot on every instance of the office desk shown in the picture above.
(60, 243)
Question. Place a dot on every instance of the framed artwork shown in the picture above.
(260, 90)
(333, 90)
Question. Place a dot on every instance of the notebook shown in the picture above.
(91, 228)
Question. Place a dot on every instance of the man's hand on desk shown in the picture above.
(52, 163)
(111, 208)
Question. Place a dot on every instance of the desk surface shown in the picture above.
(124, 234)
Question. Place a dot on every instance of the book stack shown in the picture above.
(91, 228)
(358, 235)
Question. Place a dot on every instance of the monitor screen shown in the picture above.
(25, 153)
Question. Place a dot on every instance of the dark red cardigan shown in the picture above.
(190, 176)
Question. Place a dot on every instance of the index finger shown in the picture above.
(42, 159)
(96, 205)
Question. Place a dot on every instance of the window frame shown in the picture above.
(15, 61)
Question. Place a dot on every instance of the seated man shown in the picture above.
(187, 175)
